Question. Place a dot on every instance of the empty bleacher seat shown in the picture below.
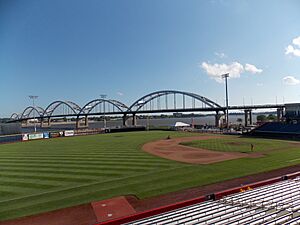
(278, 203)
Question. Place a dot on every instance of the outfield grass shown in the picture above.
(44, 175)
(239, 144)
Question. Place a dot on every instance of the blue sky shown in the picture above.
(78, 49)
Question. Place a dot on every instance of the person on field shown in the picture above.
(252, 147)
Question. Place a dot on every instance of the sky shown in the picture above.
(78, 49)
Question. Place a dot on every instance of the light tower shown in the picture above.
(33, 97)
(103, 96)
(225, 76)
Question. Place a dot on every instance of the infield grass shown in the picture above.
(239, 144)
(44, 175)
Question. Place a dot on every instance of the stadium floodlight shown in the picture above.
(33, 97)
(103, 96)
(225, 76)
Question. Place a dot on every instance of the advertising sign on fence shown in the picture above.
(46, 134)
(24, 137)
(88, 132)
(69, 133)
(35, 136)
(54, 134)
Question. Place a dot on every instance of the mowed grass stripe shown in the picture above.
(7, 194)
(75, 174)
(73, 153)
(94, 165)
(19, 190)
(50, 177)
(113, 160)
(137, 158)
(145, 165)
(43, 182)
(83, 157)
(27, 184)
(80, 167)
(72, 171)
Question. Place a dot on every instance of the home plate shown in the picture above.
(112, 208)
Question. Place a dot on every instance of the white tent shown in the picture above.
(181, 124)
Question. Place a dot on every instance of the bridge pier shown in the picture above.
(77, 123)
(279, 114)
(134, 120)
(86, 122)
(124, 119)
(47, 123)
(217, 119)
(248, 117)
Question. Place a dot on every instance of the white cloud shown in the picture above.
(252, 69)
(291, 50)
(290, 80)
(259, 84)
(295, 48)
(220, 55)
(216, 70)
(120, 93)
(235, 69)
(296, 41)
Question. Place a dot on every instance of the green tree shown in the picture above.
(261, 118)
(271, 117)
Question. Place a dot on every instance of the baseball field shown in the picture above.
(44, 175)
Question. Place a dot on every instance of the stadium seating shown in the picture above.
(278, 203)
(277, 127)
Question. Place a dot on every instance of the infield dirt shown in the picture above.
(171, 149)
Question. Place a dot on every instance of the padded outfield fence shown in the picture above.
(66, 133)
(45, 135)
(10, 138)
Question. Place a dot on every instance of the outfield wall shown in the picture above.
(65, 133)
(10, 138)
(35, 136)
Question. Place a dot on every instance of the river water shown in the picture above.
(154, 122)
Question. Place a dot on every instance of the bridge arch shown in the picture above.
(27, 111)
(87, 108)
(138, 104)
(54, 105)
(106, 106)
(15, 116)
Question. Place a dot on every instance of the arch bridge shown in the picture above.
(165, 101)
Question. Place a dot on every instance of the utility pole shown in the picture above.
(225, 76)
(103, 96)
(33, 97)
